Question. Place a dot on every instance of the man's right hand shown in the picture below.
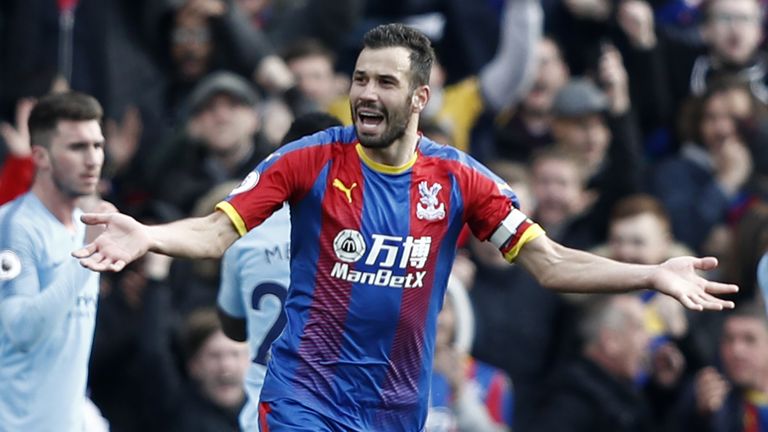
(123, 241)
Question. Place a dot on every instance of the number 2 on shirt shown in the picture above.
(259, 295)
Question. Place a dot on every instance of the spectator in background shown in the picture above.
(18, 169)
(466, 395)
(47, 301)
(221, 141)
(202, 36)
(735, 399)
(283, 23)
(707, 182)
(580, 26)
(30, 44)
(514, 314)
(596, 392)
(558, 186)
(639, 232)
(732, 31)
(216, 366)
(528, 126)
(597, 127)
(312, 65)
(500, 83)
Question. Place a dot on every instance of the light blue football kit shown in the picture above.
(254, 283)
(47, 317)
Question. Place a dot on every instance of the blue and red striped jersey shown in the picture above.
(371, 250)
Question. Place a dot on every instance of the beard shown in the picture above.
(70, 191)
(397, 122)
(66, 188)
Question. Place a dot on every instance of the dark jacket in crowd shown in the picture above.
(516, 315)
(198, 414)
(729, 418)
(586, 398)
(186, 171)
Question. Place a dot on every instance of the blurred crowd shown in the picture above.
(637, 129)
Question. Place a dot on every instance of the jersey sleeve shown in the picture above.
(229, 298)
(30, 312)
(18, 263)
(285, 175)
(492, 211)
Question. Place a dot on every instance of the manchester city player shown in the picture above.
(47, 300)
(375, 211)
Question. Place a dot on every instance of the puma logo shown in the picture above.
(347, 190)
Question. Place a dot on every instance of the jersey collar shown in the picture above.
(383, 168)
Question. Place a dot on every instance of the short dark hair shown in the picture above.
(199, 326)
(307, 48)
(399, 35)
(693, 110)
(52, 108)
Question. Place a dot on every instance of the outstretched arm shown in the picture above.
(569, 270)
(125, 239)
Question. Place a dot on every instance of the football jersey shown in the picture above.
(43, 382)
(372, 247)
(254, 283)
(755, 412)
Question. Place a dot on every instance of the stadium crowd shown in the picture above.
(636, 129)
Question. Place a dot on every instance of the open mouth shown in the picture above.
(369, 119)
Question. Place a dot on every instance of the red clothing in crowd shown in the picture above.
(15, 177)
